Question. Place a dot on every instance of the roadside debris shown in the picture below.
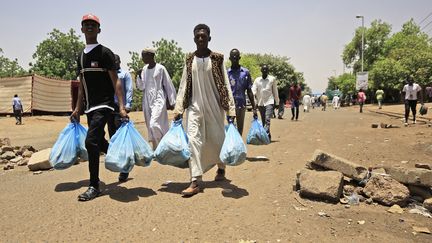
(333, 179)
(12, 156)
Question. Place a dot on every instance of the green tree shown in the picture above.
(57, 56)
(345, 83)
(412, 49)
(374, 40)
(136, 63)
(172, 57)
(279, 67)
(407, 52)
(10, 68)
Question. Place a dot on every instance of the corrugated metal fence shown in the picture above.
(37, 93)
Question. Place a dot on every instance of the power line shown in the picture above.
(427, 31)
(430, 22)
(425, 18)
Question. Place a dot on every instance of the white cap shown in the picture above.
(149, 50)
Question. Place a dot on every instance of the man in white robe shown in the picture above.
(205, 96)
(306, 102)
(158, 95)
(335, 102)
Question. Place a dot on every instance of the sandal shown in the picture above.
(190, 191)
(91, 193)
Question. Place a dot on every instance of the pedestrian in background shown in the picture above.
(323, 99)
(307, 102)
(335, 102)
(379, 96)
(312, 100)
(17, 109)
(294, 97)
(361, 98)
(267, 96)
(410, 92)
(241, 83)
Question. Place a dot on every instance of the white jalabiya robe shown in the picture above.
(157, 89)
(335, 102)
(306, 102)
(204, 117)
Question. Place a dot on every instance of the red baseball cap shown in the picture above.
(91, 17)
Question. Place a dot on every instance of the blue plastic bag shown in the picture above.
(127, 148)
(257, 135)
(173, 149)
(143, 153)
(233, 150)
(70, 146)
(120, 155)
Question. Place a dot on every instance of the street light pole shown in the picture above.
(362, 49)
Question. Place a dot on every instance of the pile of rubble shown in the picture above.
(334, 179)
(11, 156)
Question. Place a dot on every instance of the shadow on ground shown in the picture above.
(113, 190)
(229, 190)
(257, 159)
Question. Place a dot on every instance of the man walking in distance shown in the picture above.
(282, 100)
(410, 92)
(99, 83)
(379, 96)
(267, 96)
(307, 102)
(17, 109)
(294, 96)
(336, 102)
(205, 95)
(361, 98)
(240, 81)
(159, 95)
(114, 124)
(323, 99)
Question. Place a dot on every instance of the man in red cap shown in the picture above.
(99, 82)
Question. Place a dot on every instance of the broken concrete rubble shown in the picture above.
(420, 191)
(386, 190)
(327, 177)
(40, 160)
(336, 163)
(413, 176)
(428, 204)
(323, 185)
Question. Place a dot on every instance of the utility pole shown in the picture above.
(362, 48)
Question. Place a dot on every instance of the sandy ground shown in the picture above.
(259, 205)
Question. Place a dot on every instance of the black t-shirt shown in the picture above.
(98, 87)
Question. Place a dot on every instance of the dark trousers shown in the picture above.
(240, 116)
(95, 141)
(410, 104)
(295, 109)
(18, 116)
(266, 113)
(281, 109)
(361, 103)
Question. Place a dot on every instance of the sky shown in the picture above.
(311, 33)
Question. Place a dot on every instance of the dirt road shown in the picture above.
(256, 204)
